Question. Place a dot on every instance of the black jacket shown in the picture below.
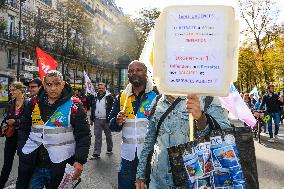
(272, 103)
(78, 120)
(10, 112)
(109, 102)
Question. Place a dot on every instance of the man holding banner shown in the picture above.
(129, 115)
(174, 130)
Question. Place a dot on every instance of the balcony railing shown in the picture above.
(96, 11)
(7, 36)
(13, 4)
(88, 8)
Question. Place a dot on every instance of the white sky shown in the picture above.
(133, 6)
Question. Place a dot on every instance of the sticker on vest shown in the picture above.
(36, 118)
(60, 117)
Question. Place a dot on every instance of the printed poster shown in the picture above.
(4, 93)
(196, 54)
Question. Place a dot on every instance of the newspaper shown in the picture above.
(67, 181)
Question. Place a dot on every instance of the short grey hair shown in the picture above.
(53, 73)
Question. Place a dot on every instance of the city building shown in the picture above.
(104, 13)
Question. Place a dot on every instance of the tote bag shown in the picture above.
(222, 159)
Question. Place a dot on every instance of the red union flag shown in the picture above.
(45, 62)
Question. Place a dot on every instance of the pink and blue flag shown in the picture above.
(236, 106)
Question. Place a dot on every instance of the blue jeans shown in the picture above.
(41, 177)
(127, 173)
(276, 118)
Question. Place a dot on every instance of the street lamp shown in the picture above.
(19, 40)
(123, 62)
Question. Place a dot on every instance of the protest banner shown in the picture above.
(196, 49)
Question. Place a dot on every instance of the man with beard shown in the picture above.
(129, 114)
(272, 102)
(100, 109)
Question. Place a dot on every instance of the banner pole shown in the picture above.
(191, 129)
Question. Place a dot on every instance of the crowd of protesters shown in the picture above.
(49, 128)
(272, 104)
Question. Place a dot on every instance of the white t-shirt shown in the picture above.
(100, 112)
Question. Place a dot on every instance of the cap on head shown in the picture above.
(36, 81)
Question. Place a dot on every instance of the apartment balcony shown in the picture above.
(15, 6)
(88, 8)
(12, 4)
(7, 37)
(102, 14)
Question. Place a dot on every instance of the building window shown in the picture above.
(10, 59)
(48, 2)
(12, 3)
(11, 25)
(23, 62)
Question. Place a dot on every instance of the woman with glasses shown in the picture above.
(12, 120)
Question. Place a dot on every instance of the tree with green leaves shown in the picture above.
(143, 24)
(260, 18)
(124, 39)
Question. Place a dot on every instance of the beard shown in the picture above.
(137, 81)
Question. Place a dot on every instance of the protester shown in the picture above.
(100, 109)
(14, 113)
(77, 93)
(281, 109)
(248, 101)
(54, 131)
(34, 86)
(256, 109)
(174, 130)
(85, 101)
(272, 102)
(129, 114)
(252, 100)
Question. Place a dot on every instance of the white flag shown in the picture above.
(255, 93)
(89, 86)
(147, 54)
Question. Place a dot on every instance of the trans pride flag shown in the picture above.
(236, 106)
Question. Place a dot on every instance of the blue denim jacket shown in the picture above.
(173, 131)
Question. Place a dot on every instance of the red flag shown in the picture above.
(45, 62)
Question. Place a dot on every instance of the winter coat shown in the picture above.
(79, 122)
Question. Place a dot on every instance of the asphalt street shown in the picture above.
(102, 173)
